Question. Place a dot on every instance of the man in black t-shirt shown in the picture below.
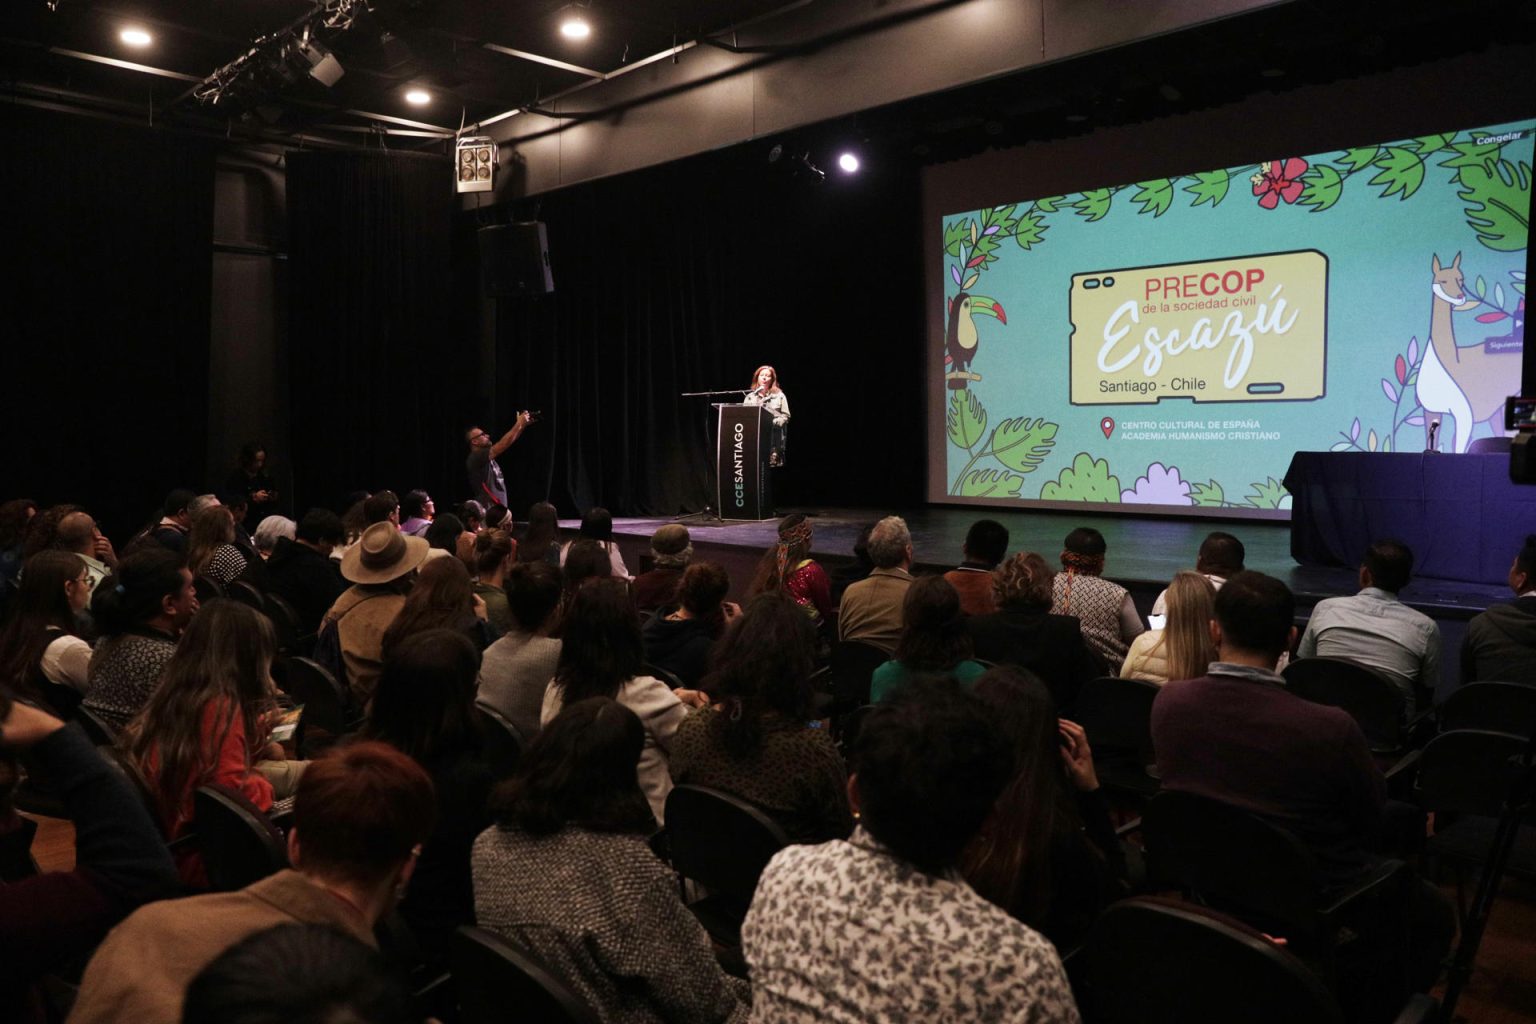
(485, 477)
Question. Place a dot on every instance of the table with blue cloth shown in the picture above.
(1461, 514)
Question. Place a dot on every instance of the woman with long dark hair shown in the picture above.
(758, 742)
(933, 639)
(567, 874)
(1047, 854)
(788, 568)
(207, 723)
(442, 598)
(597, 525)
(601, 654)
(43, 653)
(211, 549)
(423, 706)
(140, 612)
(540, 541)
(680, 636)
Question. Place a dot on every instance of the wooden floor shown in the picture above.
(1502, 989)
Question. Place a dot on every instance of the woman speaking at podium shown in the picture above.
(767, 393)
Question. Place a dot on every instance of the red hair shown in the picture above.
(759, 372)
(360, 810)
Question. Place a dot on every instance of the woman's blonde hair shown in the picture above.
(1191, 605)
(212, 528)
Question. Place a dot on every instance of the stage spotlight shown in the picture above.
(321, 63)
(475, 164)
(575, 26)
(848, 162)
(418, 97)
(135, 37)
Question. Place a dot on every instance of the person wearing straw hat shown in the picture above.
(381, 567)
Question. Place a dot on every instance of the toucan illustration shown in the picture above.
(961, 340)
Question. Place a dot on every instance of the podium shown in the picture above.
(741, 463)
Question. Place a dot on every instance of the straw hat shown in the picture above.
(382, 554)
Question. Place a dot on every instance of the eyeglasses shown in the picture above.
(85, 581)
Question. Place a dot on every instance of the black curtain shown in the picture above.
(687, 277)
(382, 360)
(105, 300)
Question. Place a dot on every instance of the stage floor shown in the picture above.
(1143, 554)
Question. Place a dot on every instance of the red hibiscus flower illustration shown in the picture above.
(1277, 180)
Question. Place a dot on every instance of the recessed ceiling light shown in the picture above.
(418, 97)
(848, 162)
(575, 27)
(135, 37)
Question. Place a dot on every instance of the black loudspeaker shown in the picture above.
(514, 260)
(1522, 461)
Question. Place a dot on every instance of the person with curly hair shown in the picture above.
(1024, 632)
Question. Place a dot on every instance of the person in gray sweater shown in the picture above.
(515, 669)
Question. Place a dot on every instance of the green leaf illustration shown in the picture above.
(1047, 205)
(966, 420)
(1210, 495)
(1357, 159)
(1022, 443)
(1402, 172)
(1430, 143)
(989, 483)
(1095, 204)
(1209, 187)
(955, 235)
(1494, 201)
(1472, 154)
(1324, 186)
(1480, 287)
(1154, 197)
(1030, 231)
(1087, 480)
(1268, 494)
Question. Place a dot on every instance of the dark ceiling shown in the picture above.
(476, 58)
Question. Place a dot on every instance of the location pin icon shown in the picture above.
(1107, 425)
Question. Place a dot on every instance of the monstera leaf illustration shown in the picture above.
(1022, 443)
(989, 483)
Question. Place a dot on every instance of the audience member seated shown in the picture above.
(849, 573)
(78, 533)
(16, 517)
(1220, 557)
(540, 541)
(933, 640)
(499, 517)
(495, 553)
(472, 514)
(271, 530)
(382, 507)
(360, 814)
(1500, 644)
(1108, 615)
(758, 742)
(170, 531)
(239, 507)
(1373, 628)
(567, 875)
(600, 656)
(671, 551)
(788, 568)
(443, 536)
(515, 670)
(679, 637)
(582, 560)
(1237, 735)
(381, 567)
(1023, 631)
(297, 974)
(301, 570)
(880, 927)
(986, 544)
(1047, 854)
(441, 598)
(870, 611)
(1182, 649)
(140, 613)
(416, 513)
(207, 723)
(43, 653)
(424, 707)
(211, 549)
(597, 525)
(49, 921)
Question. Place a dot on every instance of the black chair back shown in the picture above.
(665, 675)
(1472, 771)
(207, 588)
(246, 594)
(239, 843)
(1117, 715)
(16, 861)
(285, 624)
(97, 729)
(1496, 707)
(1378, 706)
(720, 841)
(324, 719)
(503, 744)
(497, 982)
(853, 663)
(1150, 959)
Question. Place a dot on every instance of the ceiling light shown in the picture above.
(848, 162)
(575, 27)
(135, 37)
(418, 97)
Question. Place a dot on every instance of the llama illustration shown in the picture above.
(1469, 384)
